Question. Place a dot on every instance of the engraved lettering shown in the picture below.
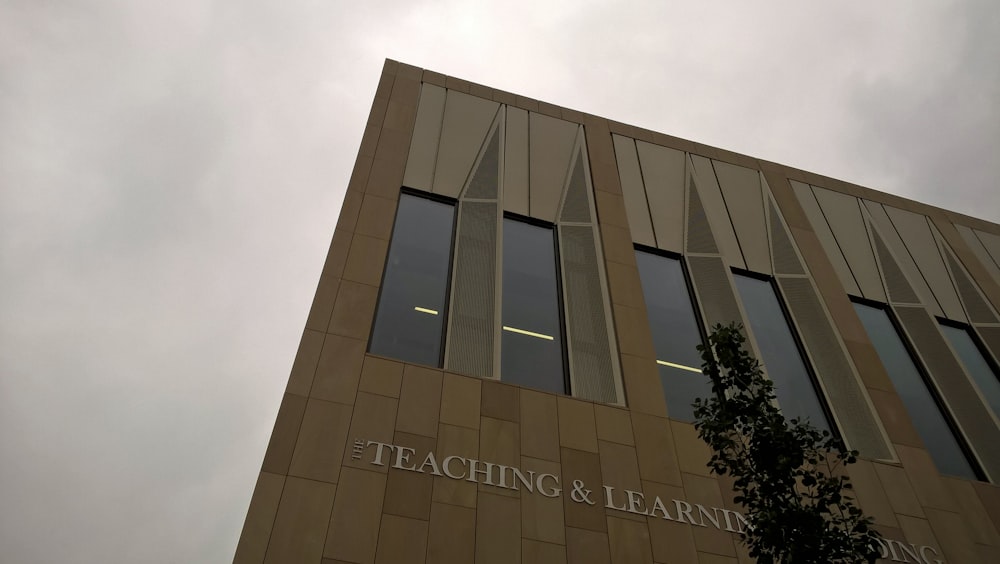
(713, 517)
(883, 550)
(527, 483)
(403, 457)
(927, 559)
(503, 477)
(609, 502)
(429, 460)
(474, 471)
(554, 491)
(379, 451)
(684, 509)
(741, 521)
(548, 485)
(447, 467)
(910, 550)
(658, 505)
(636, 502)
(892, 551)
(580, 493)
(729, 523)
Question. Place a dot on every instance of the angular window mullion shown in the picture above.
(927, 412)
(781, 354)
(977, 363)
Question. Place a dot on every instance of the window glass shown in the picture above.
(781, 357)
(975, 364)
(409, 322)
(531, 343)
(924, 411)
(675, 333)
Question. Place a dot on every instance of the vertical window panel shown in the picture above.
(409, 322)
(925, 412)
(781, 356)
(975, 364)
(531, 343)
(675, 333)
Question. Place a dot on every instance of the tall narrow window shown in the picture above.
(976, 364)
(675, 333)
(925, 412)
(781, 356)
(409, 323)
(531, 344)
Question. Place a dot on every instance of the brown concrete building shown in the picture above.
(499, 361)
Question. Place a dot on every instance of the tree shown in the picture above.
(785, 472)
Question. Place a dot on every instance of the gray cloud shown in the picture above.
(170, 174)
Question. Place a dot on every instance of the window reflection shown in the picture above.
(675, 333)
(531, 348)
(975, 364)
(780, 354)
(409, 322)
(926, 414)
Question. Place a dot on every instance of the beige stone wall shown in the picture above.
(314, 502)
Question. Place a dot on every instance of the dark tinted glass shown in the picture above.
(912, 389)
(782, 359)
(675, 333)
(975, 364)
(531, 346)
(410, 318)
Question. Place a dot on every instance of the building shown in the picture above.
(499, 360)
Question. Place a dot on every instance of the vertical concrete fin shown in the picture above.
(843, 214)
(550, 145)
(422, 157)
(716, 214)
(515, 162)
(633, 191)
(741, 190)
(663, 174)
(916, 235)
(467, 121)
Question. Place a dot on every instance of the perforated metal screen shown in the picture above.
(718, 303)
(975, 306)
(954, 385)
(483, 184)
(586, 320)
(699, 231)
(899, 289)
(843, 390)
(786, 261)
(576, 207)
(472, 327)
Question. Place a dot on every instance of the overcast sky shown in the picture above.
(170, 175)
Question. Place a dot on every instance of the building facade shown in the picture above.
(499, 361)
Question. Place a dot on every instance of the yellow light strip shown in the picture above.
(681, 366)
(528, 333)
(425, 310)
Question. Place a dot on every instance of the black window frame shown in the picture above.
(700, 322)
(932, 388)
(445, 312)
(976, 340)
(560, 305)
(824, 401)
(980, 346)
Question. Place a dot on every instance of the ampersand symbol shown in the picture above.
(580, 494)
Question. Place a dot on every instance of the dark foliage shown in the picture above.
(786, 473)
